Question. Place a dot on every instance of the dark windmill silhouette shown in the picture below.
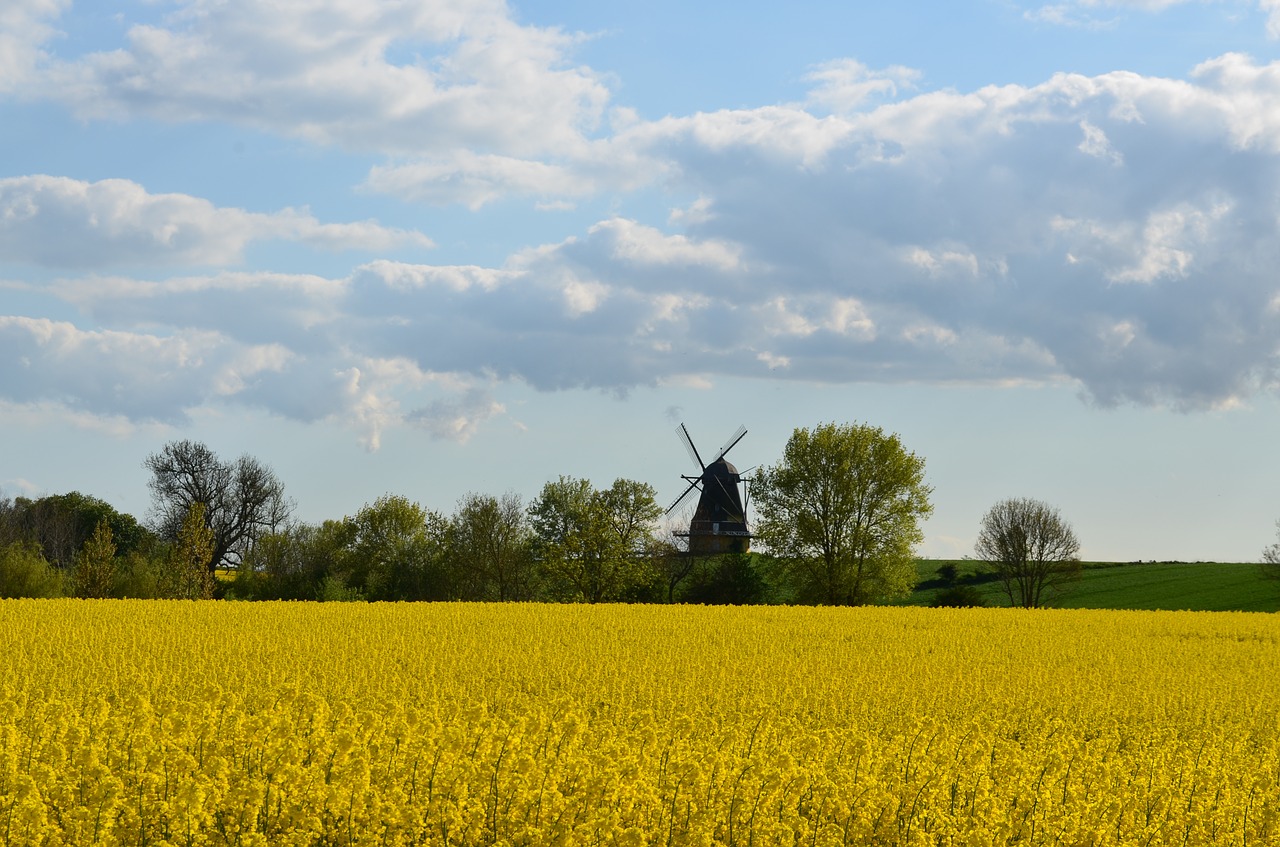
(719, 523)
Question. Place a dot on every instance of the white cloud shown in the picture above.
(1115, 230)
(456, 419)
(67, 223)
(846, 85)
(474, 180)
(943, 261)
(1163, 246)
(635, 243)
(1084, 13)
(1097, 144)
(406, 277)
(25, 25)
(398, 76)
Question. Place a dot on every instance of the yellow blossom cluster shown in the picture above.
(211, 723)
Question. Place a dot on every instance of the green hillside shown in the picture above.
(1197, 586)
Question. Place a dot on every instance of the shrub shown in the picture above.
(24, 572)
(960, 595)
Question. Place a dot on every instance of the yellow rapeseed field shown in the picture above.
(148, 722)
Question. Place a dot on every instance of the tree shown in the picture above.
(186, 574)
(725, 579)
(1031, 548)
(591, 545)
(61, 524)
(1271, 557)
(95, 568)
(393, 549)
(24, 572)
(631, 510)
(242, 500)
(290, 563)
(841, 513)
(490, 548)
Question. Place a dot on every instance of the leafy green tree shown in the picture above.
(393, 549)
(841, 514)
(241, 500)
(186, 573)
(726, 579)
(631, 509)
(61, 524)
(95, 568)
(290, 563)
(592, 545)
(24, 572)
(139, 576)
(1031, 548)
(491, 549)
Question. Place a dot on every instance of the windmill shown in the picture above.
(719, 523)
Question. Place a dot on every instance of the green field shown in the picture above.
(1195, 586)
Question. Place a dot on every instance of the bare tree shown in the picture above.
(1271, 557)
(242, 499)
(1031, 548)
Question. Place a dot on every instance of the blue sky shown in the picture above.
(434, 248)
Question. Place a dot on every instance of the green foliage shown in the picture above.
(960, 596)
(490, 549)
(333, 590)
(95, 565)
(290, 564)
(393, 549)
(726, 579)
(61, 524)
(591, 545)
(186, 574)
(138, 577)
(24, 572)
(841, 514)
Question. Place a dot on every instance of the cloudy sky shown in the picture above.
(429, 248)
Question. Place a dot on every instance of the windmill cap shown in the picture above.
(727, 465)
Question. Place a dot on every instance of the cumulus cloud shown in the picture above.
(396, 77)
(67, 223)
(1116, 230)
(846, 85)
(25, 25)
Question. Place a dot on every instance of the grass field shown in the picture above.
(1192, 586)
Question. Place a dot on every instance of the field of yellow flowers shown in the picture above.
(154, 722)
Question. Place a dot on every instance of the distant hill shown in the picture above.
(1196, 586)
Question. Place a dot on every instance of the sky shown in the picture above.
(433, 248)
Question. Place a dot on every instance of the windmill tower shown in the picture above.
(719, 523)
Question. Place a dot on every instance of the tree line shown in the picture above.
(838, 520)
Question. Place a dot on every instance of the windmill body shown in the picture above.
(719, 523)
